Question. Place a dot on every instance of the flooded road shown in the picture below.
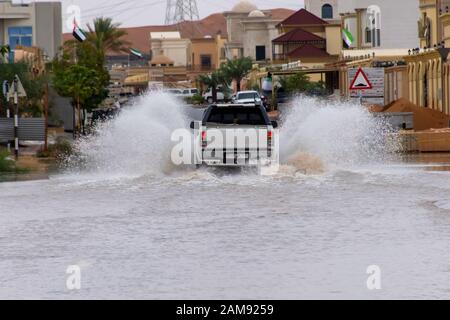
(140, 230)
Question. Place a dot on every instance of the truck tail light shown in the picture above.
(204, 138)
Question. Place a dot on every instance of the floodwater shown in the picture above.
(140, 228)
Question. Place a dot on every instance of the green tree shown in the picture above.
(78, 82)
(33, 85)
(237, 69)
(212, 81)
(107, 36)
(301, 83)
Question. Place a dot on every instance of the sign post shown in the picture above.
(15, 92)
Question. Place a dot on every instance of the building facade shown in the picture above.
(384, 24)
(306, 37)
(172, 46)
(37, 24)
(250, 32)
(429, 67)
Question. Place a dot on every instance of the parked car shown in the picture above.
(248, 97)
(208, 96)
(183, 93)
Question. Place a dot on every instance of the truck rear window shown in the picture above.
(240, 116)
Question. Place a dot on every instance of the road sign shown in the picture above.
(18, 87)
(361, 81)
(376, 79)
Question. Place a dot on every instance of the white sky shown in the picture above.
(152, 12)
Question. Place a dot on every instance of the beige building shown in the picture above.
(207, 53)
(385, 24)
(250, 32)
(308, 38)
(429, 69)
(172, 46)
(37, 24)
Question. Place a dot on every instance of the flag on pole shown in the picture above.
(136, 53)
(78, 33)
(348, 37)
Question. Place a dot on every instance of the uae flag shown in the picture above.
(78, 33)
(136, 53)
(348, 37)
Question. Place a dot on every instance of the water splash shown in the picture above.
(334, 134)
(135, 143)
(316, 136)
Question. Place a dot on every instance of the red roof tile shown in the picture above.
(297, 35)
(308, 51)
(302, 17)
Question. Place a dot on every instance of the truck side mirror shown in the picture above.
(274, 124)
(193, 125)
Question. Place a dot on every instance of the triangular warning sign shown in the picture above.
(361, 82)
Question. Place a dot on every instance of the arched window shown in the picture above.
(327, 11)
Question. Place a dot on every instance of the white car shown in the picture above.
(248, 97)
(208, 96)
(183, 93)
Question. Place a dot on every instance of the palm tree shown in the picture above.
(237, 69)
(4, 50)
(107, 36)
(212, 81)
(103, 36)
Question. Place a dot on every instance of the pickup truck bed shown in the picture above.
(236, 135)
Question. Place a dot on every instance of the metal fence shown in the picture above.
(30, 129)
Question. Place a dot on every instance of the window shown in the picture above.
(327, 11)
(260, 53)
(20, 36)
(205, 61)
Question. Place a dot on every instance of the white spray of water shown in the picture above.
(335, 133)
(315, 136)
(135, 143)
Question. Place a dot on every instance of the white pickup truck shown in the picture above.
(235, 135)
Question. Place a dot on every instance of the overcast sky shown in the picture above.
(150, 12)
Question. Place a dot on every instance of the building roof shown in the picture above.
(302, 17)
(308, 51)
(244, 6)
(297, 35)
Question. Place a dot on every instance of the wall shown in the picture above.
(334, 39)
(44, 17)
(177, 50)
(400, 16)
(396, 84)
(315, 7)
(258, 34)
